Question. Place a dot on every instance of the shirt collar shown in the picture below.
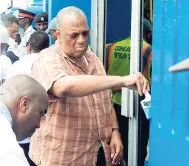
(87, 55)
(5, 112)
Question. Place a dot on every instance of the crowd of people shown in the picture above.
(56, 101)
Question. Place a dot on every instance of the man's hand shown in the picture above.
(136, 81)
(116, 148)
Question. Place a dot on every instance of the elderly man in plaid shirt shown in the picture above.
(80, 127)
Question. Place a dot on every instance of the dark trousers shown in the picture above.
(123, 126)
(25, 148)
(101, 158)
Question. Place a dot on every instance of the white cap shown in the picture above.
(4, 36)
(52, 25)
(183, 65)
(16, 13)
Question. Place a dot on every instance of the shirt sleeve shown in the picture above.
(48, 68)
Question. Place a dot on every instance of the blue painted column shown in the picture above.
(45, 5)
(169, 141)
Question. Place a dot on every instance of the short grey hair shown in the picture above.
(9, 19)
(67, 11)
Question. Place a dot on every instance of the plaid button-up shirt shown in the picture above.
(74, 128)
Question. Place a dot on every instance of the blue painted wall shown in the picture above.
(170, 92)
(118, 20)
(54, 6)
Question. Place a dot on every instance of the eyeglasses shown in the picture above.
(85, 34)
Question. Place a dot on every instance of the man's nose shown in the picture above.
(81, 38)
(41, 27)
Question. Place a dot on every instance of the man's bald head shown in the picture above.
(70, 11)
(27, 101)
(22, 85)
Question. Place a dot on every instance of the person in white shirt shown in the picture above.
(25, 21)
(5, 62)
(23, 102)
(37, 42)
(12, 25)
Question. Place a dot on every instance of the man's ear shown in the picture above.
(26, 20)
(24, 104)
(58, 33)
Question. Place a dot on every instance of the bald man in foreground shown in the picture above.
(23, 101)
(81, 127)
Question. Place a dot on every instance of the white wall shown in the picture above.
(4, 5)
(21, 3)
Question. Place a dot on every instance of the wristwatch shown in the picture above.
(115, 129)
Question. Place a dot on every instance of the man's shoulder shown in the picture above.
(19, 64)
(52, 52)
(27, 58)
(91, 55)
(147, 48)
(94, 59)
(145, 44)
(5, 59)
